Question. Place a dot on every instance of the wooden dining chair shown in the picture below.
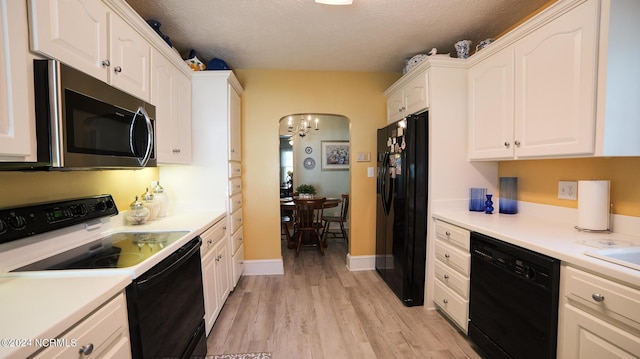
(341, 219)
(308, 219)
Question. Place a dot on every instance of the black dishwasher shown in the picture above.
(513, 300)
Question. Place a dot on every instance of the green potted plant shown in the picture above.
(306, 190)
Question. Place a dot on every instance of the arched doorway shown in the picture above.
(312, 152)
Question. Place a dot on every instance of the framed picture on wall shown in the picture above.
(335, 155)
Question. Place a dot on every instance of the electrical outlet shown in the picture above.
(568, 190)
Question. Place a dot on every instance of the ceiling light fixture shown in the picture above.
(303, 128)
(335, 2)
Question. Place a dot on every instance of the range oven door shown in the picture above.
(166, 307)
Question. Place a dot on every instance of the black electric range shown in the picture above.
(119, 250)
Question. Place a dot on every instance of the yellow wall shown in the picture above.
(17, 188)
(538, 180)
(271, 94)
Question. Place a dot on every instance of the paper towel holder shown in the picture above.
(609, 225)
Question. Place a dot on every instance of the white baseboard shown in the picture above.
(360, 263)
(263, 267)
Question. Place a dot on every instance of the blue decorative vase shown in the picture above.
(508, 195)
(488, 205)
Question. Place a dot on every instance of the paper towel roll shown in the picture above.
(593, 205)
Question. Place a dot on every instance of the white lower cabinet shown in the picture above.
(452, 272)
(216, 266)
(103, 334)
(599, 317)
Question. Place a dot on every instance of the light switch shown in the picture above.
(370, 171)
(364, 156)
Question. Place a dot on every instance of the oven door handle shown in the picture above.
(152, 277)
(147, 154)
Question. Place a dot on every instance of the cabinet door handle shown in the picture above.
(86, 349)
(597, 297)
(447, 233)
(445, 301)
(446, 255)
(117, 69)
(446, 276)
(106, 63)
(210, 241)
(517, 143)
(507, 144)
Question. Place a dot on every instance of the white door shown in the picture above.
(555, 77)
(73, 31)
(129, 53)
(491, 113)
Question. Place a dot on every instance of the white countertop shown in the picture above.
(42, 305)
(549, 236)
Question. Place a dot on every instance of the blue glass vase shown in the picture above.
(488, 205)
(508, 195)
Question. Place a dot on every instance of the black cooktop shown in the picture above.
(119, 250)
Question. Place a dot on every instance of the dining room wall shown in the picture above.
(271, 94)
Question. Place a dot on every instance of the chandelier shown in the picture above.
(304, 127)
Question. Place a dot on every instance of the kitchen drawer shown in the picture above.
(235, 202)
(106, 329)
(237, 240)
(213, 235)
(620, 302)
(453, 234)
(453, 257)
(452, 279)
(235, 169)
(238, 265)
(235, 186)
(452, 304)
(236, 221)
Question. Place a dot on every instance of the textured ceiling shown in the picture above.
(370, 35)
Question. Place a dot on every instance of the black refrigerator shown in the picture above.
(401, 207)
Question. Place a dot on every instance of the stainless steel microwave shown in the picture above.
(83, 123)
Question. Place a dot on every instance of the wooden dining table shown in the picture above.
(286, 204)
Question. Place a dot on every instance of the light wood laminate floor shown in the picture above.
(319, 309)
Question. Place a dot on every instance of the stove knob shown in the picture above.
(110, 204)
(17, 222)
(3, 226)
(79, 210)
(101, 206)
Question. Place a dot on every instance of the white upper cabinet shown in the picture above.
(491, 107)
(129, 54)
(555, 81)
(87, 35)
(536, 97)
(572, 70)
(171, 94)
(408, 96)
(17, 116)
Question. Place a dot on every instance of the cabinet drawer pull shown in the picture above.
(445, 301)
(597, 297)
(209, 241)
(446, 276)
(446, 255)
(86, 349)
(447, 233)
